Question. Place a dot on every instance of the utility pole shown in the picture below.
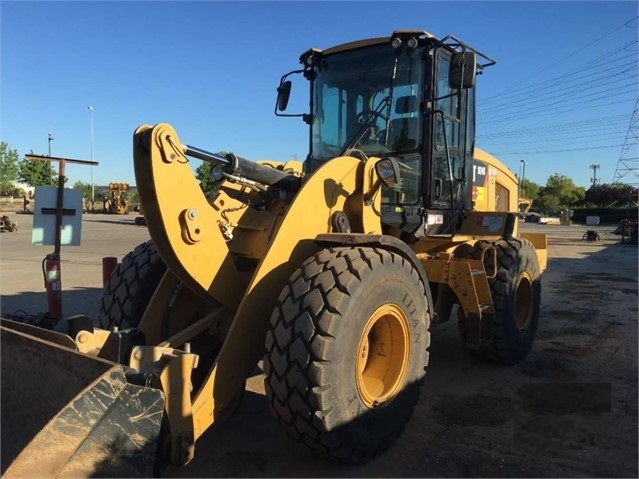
(90, 108)
(523, 176)
(594, 174)
(50, 140)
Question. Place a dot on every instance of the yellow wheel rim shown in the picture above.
(383, 354)
(523, 302)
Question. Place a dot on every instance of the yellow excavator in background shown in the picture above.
(331, 272)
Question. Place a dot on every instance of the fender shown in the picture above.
(386, 242)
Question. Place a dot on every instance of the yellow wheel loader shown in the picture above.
(116, 199)
(326, 274)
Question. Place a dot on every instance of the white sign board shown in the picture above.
(44, 215)
(592, 220)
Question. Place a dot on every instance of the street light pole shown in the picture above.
(523, 176)
(521, 164)
(50, 140)
(90, 108)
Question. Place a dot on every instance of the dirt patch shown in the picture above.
(548, 369)
(476, 410)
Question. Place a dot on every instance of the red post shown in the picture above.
(53, 284)
(108, 265)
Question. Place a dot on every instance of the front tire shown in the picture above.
(516, 294)
(347, 351)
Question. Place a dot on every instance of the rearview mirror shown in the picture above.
(283, 94)
(463, 69)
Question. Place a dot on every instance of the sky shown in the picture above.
(560, 98)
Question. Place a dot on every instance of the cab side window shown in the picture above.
(448, 103)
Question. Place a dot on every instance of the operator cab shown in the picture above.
(411, 97)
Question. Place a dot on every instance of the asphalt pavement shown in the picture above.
(21, 276)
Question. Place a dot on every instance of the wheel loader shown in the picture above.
(116, 199)
(324, 276)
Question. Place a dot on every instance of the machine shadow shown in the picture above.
(74, 301)
(131, 221)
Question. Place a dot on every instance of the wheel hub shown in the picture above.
(523, 302)
(383, 353)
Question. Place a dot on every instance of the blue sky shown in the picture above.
(560, 97)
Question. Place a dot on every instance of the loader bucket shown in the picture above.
(67, 414)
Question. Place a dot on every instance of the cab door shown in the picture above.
(453, 136)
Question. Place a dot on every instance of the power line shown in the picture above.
(592, 122)
(591, 64)
(560, 141)
(572, 54)
(538, 152)
(597, 85)
(565, 78)
(620, 73)
(563, 106)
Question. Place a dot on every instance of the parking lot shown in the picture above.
(568, 410)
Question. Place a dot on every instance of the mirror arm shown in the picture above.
(284, 88)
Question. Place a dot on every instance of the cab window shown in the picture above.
(448, 104)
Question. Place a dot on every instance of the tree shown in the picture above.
(203, 175)
(37, 173)
(605, 195)
(9, 169)
(559, 192)
(530, 190)
(84, 187)
(134, 196)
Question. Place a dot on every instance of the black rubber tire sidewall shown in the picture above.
(311, 351)
(130, 287)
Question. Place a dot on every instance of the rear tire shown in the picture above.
(130, 287)
(347, 351)
(516, 294)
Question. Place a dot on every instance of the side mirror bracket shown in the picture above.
(284, 94)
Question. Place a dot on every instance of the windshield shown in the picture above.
(367, 99)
